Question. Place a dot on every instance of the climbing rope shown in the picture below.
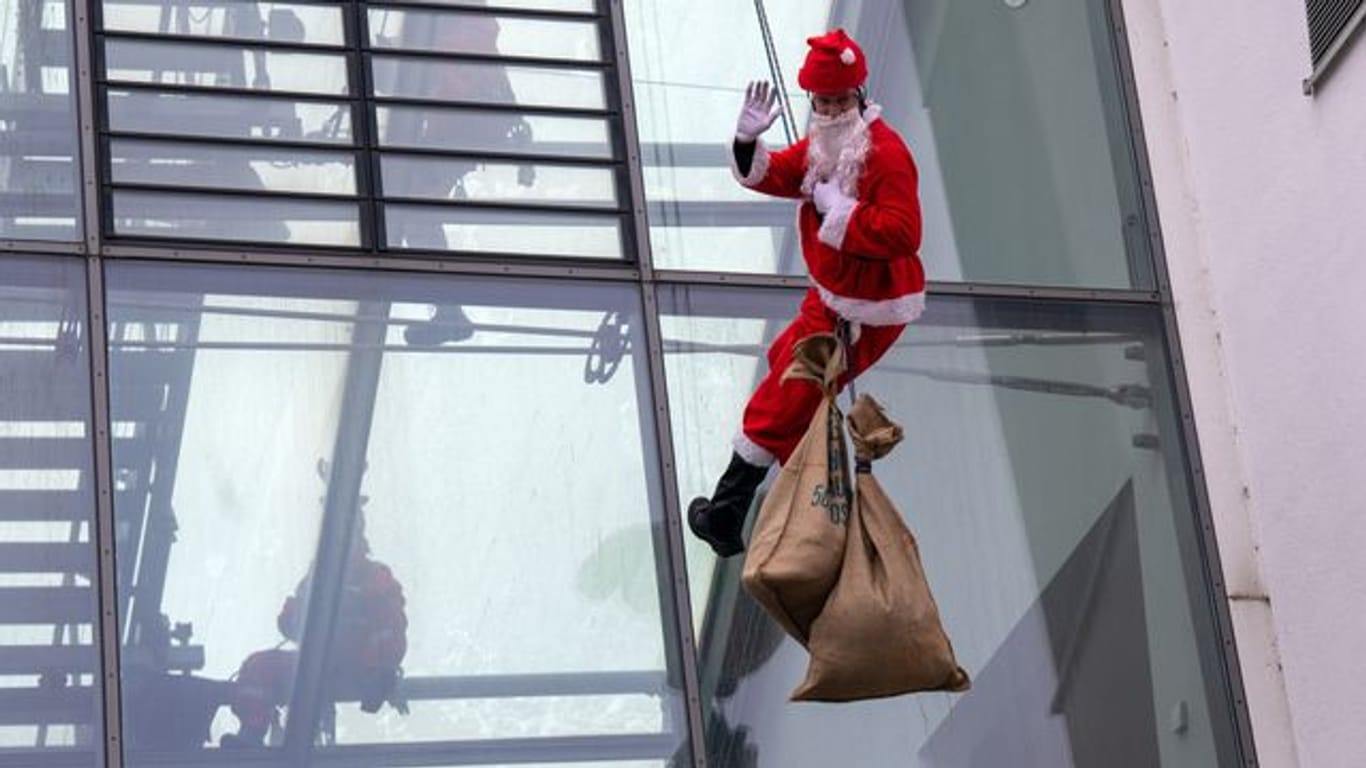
(775, 69)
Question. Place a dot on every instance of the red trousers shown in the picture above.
(778, 414)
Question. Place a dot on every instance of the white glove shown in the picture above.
(758, 113)
(828, 196)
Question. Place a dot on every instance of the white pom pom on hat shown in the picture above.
(847, 56)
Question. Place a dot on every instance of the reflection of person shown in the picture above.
(468, 84)
(491, 131)
(186, 166)
(369, 641)
(859, 223)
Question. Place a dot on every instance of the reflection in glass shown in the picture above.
(471, 81)
(1042, 189)
(1042, 474)
(229, 117)
(304, 460)
(687, 102)
(259, 168)
(251, 219)
(218, 66)
(526, 233)
(463, 33)
(49, 664)
(1013, 114)
(39, 171)
(467, 130)
(226, 525)
(233, 19)
(568, 6)
(499, 182)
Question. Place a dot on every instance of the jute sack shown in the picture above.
(879, 633)
(797, 543)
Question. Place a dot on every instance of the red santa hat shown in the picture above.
(835, 63)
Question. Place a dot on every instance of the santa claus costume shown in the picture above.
(859, 224)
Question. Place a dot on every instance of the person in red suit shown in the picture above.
(476, 129)
(369, 641)
(859, 224)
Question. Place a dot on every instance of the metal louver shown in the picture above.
(1328, 20)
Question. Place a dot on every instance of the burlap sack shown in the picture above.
(797, 543)
(879, 633)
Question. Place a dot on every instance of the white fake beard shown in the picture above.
(837, 149)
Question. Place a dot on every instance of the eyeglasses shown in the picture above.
(834, 103)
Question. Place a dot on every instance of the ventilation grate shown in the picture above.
(1328, 19)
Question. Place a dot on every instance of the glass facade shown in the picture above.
(1042, 475)
(39, 170)
(49, 661)
(364, 126)
(363, 434)
(530, 579)
(1013, 115)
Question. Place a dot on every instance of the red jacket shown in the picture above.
(371, 630)
(864, 261)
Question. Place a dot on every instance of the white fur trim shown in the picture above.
(898, 311)
(758, 168)
(753, 453)
(872, 114)
(847, 56)
(836, 223)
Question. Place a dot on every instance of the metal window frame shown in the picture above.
(106, 629)
(369, 200)
(654, 341)
(640, 271)
(1195, 473)
(265, 45)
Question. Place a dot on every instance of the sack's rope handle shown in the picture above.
(844, 333)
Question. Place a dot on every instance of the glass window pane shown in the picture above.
(266, 220)
(456, 33)
(234, 19)
(1046, 116)
(39, 169)
(246, 168)
(467, 130)
(687, 102)
(296, 432)
(488, 83)
(50, 711)
(226, 482)
(526, 233)
(229, 117)
(1014, 115)
(1043, 476)
(220, 66)
(440, 178)
(569, 6)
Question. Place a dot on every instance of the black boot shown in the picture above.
(720, 520)
(246, 738)
(450, 323)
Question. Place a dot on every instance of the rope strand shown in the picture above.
(775, 69)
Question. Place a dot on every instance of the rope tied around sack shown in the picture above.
(820, 359)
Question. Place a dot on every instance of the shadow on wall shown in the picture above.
(1071, 684)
